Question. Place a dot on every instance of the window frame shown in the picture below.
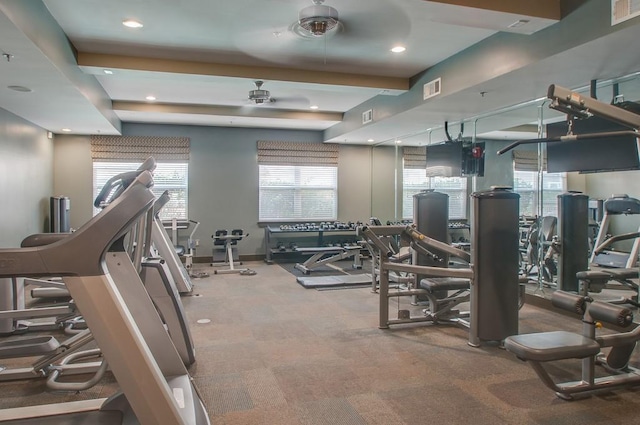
(549, 208)
(160, 184)
(298, 188)
(431, 182)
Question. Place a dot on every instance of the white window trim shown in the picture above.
(298, 187)
(430, 183)
(549, 195)
(160, 184)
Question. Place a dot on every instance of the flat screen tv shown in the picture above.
(444, 159)
(455, 159)
(591, 155)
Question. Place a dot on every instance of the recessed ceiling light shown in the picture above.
(108, 71)
(398, 142)
(66, 130)
(398, 49)
(132, 23)
(21, 89)
(313, 107)
(150, 98)
(370, 140)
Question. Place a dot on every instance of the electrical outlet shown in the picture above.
(197, 242)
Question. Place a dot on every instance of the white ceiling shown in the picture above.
(200, 58)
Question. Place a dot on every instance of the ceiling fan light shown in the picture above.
(259, 96)
(318, 19)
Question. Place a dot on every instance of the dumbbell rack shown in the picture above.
(272, 232)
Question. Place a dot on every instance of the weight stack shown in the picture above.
(431, 217)
(495, 258)
(59, 214)
(573, 231)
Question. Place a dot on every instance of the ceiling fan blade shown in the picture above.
(298, 101)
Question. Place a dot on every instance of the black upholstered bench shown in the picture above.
(551, 346)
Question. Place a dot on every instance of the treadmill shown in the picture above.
(155, 385)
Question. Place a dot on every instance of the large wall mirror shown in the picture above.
(396, 177)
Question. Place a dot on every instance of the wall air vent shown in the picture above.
(623, 10)
(367, 116)
(432, 88)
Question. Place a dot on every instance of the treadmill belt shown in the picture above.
(335, 281)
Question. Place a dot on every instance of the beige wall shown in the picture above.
(223, 178)
(73, 175)
(26, 179)
(223, 190)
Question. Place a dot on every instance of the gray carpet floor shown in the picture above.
(276, 353)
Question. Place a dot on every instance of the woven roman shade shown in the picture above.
(527, 161)
(297, 153)
(415, 157)
(139, 148)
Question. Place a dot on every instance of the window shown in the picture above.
(292, 193)
(414, 180)
(526, 184)
(171, 176)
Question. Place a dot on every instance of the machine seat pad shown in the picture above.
(550, 346)
(433, 284)
(593, 275)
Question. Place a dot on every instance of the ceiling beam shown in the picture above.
(243, 71)
(548, 9)
(239, 111)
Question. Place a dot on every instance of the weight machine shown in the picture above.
(491, 281)
(542, 347)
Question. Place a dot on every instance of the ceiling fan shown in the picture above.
(260, 96)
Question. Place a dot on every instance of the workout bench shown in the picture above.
(330, 254)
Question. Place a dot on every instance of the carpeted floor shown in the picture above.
(276, 353)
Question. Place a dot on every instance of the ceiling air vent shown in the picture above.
(432, 88)
(367, 116)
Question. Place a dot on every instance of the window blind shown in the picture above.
(414, 157)
(139, 148)
(298, 181)
(527, 185)
(527, 160)
(416, 180)
(297, 153)
(170, 176)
